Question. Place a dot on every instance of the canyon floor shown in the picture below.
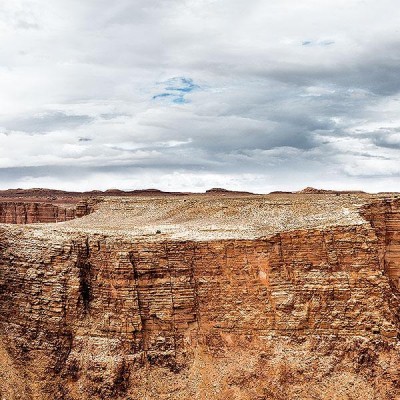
(214, 296)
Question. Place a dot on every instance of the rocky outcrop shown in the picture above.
(302, 314)
(385, 219)
(34, 212)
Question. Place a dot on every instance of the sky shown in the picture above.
(186, 95)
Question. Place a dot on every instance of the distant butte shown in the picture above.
(43, 194)
(58, 195)
(221, 191)
(311, 190)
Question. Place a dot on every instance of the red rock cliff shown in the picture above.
(385, 218)
(303, 314)
(15, 212)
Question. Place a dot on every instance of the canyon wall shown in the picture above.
(16, 212)
(385, 219)
(304, 314)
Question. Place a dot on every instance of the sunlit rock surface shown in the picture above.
(286, 296)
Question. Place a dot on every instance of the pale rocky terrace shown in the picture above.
(211, 217)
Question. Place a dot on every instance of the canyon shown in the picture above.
(214, 296)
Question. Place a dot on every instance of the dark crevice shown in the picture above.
(85, 289)
(85, 279)
(143, 330)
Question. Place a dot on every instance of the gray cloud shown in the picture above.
(185, 95)
(46, 122)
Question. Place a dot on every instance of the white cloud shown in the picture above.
(287, 93)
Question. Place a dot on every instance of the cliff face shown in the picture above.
(302, 314)
(12, 212)
(385, 219)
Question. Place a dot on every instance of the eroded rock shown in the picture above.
(310, 312)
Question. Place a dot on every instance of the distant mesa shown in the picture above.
(311, 190)
(42, 194)
(147, 191)
(217, 190)
(114, 191)
(152, 192)
(62, 196)
(222, 191)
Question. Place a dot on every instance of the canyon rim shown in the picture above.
(213, 296)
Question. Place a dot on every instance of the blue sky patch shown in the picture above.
(179, 100)
(175, 89)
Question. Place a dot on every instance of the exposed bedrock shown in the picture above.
(305, 314)
(385, 219)
(16, 212)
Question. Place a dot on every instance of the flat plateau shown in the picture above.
(208, 217)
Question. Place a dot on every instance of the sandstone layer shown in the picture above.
(242, 297)
(16, 212)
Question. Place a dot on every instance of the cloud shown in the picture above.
(188, 95)
(326, 42)
(45, 122)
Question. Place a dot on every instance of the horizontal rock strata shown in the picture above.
(34, 212)
(302, 314)
(385, 218)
